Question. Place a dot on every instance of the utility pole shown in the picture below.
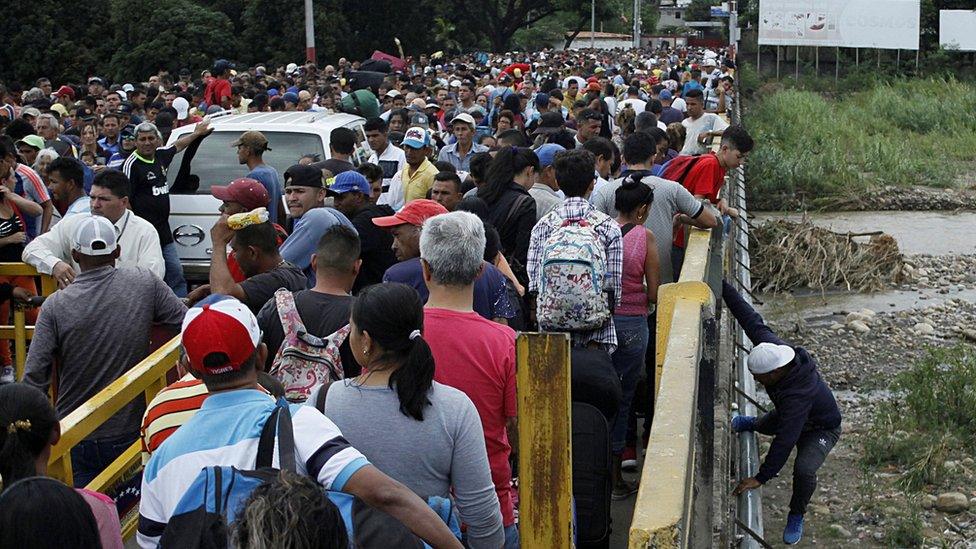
(637, 24)
(309, 33)
(592, 24)
(733, 24)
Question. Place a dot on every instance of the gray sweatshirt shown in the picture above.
(97, 329)
(446, 449)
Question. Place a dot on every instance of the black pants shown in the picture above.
(811, 451)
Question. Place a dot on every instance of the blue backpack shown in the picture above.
(204, 514)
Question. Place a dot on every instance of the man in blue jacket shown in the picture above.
(805, 414)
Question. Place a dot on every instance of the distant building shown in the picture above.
(601, 40)
(672, 13)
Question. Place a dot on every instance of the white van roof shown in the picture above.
(274, 121)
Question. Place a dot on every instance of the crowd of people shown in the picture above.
(377, 305)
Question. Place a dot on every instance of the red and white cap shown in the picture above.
(220, 324)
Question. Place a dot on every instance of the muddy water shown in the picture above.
(931, 233)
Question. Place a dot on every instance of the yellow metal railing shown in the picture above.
(144, 379)
(20, 332)
(662, 512)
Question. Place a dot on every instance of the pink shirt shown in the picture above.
(477, 356)
(633, 299)
(106, 516)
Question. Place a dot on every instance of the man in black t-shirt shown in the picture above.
(351, 192)
(324, 308)
(146, 169)
(342, 143)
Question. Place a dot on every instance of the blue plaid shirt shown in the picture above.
(609, 233)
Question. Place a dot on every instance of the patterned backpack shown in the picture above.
(304, 360)
(574, 265)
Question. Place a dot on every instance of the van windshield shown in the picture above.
(215, 162)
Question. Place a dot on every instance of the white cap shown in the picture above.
(393, 93)
(767, 357)
(128, 88)
(455, 83)
(95, 235)
(182, 107)
(464, 117)
(292, 67)
(709, 62)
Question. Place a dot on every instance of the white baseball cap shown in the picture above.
(464, 117)
(95, 235)
(182, 107)
(767, 357)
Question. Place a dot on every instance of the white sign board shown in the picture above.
(957, 29)
(885, 24)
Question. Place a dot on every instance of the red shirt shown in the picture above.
(216, 90)
(705, 179)
(477, 357)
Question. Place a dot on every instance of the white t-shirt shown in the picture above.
(391, 161)
(708, 122)
(638, 105)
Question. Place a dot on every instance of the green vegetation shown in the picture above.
(906, 530)
(816, 147)
(930, 416)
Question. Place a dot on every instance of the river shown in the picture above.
(930, 233)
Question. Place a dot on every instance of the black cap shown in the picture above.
(184, 72)
(303, 176)
(222, 65)
(550, 122)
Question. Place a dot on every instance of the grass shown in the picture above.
(931, 416)
(818, 146)
(906, 530)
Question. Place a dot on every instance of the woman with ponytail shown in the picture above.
(426, 435)
(28, 430)
(639, 293)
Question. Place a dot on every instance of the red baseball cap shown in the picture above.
(250, 193)
(220, 324)
(65, 90)
(414, 213)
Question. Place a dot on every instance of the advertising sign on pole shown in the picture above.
(884, 24)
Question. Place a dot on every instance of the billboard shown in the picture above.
(886, 24)
(957, 29)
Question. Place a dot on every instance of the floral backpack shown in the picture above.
(574, 266)
(304, 360)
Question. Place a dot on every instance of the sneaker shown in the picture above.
(623, 490)
(743, 423)
(794, 529)
(6, 375)
(629, 459)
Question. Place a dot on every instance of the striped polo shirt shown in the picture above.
(225, 431)
(169, 410)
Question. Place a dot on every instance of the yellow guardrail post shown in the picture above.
(545, 445)
(20, 342)
(20, 332)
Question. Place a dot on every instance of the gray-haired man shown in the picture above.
(146, 169)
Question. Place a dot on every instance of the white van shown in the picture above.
(193, 211)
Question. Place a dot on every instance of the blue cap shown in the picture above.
(541, 99)
(272, 92)
(665, 95)
(290, 97)
(547, 153)
(349, 181)
(416, 138)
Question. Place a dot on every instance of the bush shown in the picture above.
(930, 415)
(811, 146)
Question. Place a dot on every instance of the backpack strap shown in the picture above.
(321, 396)
(279, 423)
(522, 199)
(688, 166)
(291, 322)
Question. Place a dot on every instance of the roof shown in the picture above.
(601, 36)
(280, 118)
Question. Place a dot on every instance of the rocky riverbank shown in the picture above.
(880, 199)
(860, 351)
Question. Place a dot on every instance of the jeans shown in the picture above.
(628, 359)
(811, 451)
(512, 540)
(174, 270)
(91, 456)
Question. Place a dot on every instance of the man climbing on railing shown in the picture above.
(805, 415)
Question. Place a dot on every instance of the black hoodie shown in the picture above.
(802, 399)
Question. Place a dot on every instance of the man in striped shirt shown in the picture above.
(222, 343)
(28, 184)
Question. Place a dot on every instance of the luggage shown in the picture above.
(592, 485)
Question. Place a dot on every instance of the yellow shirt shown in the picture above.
(417, 183)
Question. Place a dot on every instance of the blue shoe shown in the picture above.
(743, 423)
(794, 529)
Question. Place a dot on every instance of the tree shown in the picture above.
(699, 10)
(499, 20)
(151, 35)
